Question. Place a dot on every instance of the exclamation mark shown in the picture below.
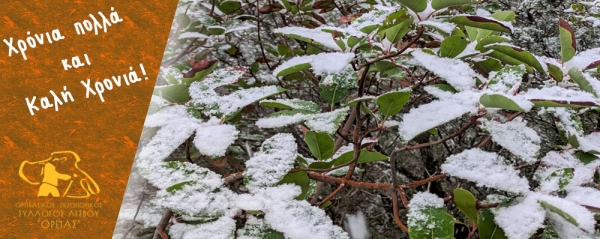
(143, 70)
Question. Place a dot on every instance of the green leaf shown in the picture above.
(293, 69)
(173, 93)
(481, 23)
(365, 156)
(555, 72)
(520, 55)
(321, 145)
(200, 75)
(507, 16)
(549, 232)
(445, 87)
(452, 46)
(482, 43)
(437, 224)
(551, 103)
(395, 33)
(466, 203)
(361, 99)
(392, 102)
(320, 165)
(487, 227)
(564, 176)
(582, 81)
(299, 178)
(560, 212)
(439, 4)
(499, 101)
(178, 186)
(489, 65)
(585, 158)
(216, 30)
(568, 44)
(415, 5)
(229, 7)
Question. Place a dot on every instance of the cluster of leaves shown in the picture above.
(346, 83)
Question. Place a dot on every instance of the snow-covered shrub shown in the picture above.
(293, 95)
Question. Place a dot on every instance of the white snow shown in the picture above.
(485, 169)
(515, 136)
(438, 112)
(456, 72)
(294, 61)
(445, 27)
(275, 159)
(520, 221)
(557, 93)
(316, 34)
(192, 35)
(357, 226)
(330, 63)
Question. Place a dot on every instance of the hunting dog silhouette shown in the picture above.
(49, 174)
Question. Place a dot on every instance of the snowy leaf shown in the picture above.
(563, 177)
(296, 64)
(297, 219)
(223, 228)
(292, 104)
(516, 137)
(239, 99)
(462, 77)
(316, 35)
(586, 82)
(561, 228)
(206, 142)
(364, 157)
(326, 122)
(507, 79)
(521, 220)
(270, 165)
(560, 97)
(298, 178)
(436, 113)
(582, 173)
(257, 228)
(427, 217)
(570, 211)
(485, 169)
(584, 196)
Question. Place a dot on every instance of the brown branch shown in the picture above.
(331, 195)
(460, 131)
(162, 224)
(419, 33)
(396, 213)
(233, 177)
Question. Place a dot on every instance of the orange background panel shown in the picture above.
(103, 134)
